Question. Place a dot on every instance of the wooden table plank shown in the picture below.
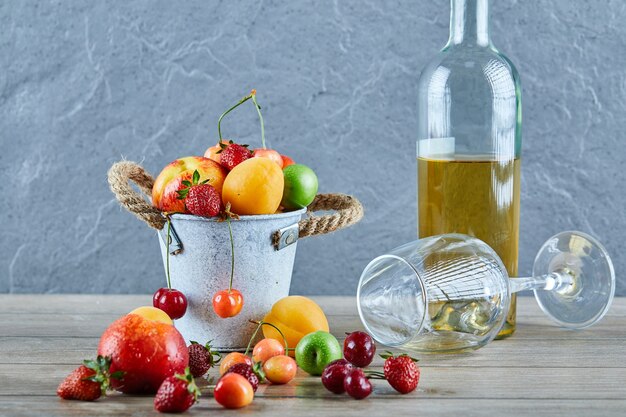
(338, 406)
(500, 354)
(84, 325)
(541, 370)
(457, 382)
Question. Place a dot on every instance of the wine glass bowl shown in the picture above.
(451, 293)
(446, 293)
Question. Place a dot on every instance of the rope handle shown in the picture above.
(348, 210)
(120, 175)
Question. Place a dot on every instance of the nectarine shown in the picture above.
(147, 351)
(169, 181)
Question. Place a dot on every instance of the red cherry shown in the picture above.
(334, 375)
(359, 349)
(172, 301)
(357, 385)
(227, 303)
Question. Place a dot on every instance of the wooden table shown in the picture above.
(542, 370)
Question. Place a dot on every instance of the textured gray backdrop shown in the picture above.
(83, 84)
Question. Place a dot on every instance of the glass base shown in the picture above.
(509, 325)
(582, 260)
(507, 331)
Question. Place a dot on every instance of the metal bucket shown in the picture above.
(200, 254)
(200, 265)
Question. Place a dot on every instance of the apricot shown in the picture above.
(295, 316)
(255, 186)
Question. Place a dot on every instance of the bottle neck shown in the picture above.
(469, 23)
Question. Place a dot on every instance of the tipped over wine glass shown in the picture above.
(451, 293)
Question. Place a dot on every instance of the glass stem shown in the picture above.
(561, 281)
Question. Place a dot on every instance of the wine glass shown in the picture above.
(451, 293)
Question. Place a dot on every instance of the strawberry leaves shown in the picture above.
(192, 388)
(102, 376)
(195, 180)
(223, 146)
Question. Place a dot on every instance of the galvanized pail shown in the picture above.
(200, 255)
(202, 268)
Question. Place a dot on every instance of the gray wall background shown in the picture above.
(83, 84)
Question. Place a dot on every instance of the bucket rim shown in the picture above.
(192, 217)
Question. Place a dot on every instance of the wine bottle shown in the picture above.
(469, 141)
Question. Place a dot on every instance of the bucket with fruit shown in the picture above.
(229, 222)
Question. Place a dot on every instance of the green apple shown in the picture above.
(300, 187)
(316, 350)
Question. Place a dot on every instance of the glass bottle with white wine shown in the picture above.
(469, 140)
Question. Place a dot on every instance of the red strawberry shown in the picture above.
(253, 374)
(201, 358)
(201, 199)
(89, 381)
(232, 154)
(401, 372)
(176, 394)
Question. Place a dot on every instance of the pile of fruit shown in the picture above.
(228, 181)
(143, 353)
(252, 182)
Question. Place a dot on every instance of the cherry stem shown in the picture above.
(375, 375)
(232, 254)
(167, 254)
(219, 121)
(253, 336)
(264, 323)
(258, 110)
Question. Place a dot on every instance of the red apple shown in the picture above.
(147, 351)
(169, 181)
(269, 154)
(287, 161)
